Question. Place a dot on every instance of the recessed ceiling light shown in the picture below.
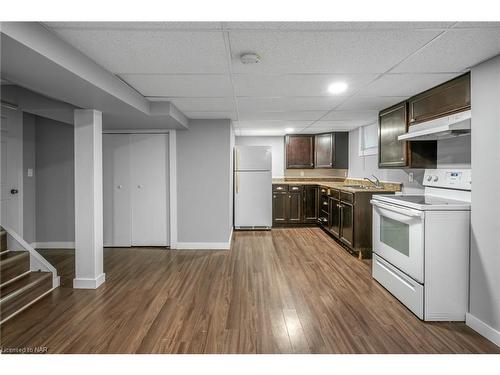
(289, 130)
(337, 88)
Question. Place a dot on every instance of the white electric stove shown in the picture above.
(421, 245)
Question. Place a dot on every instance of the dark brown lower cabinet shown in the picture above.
(346, 232)
(295, 208)
(334, 226)
(310, 193)
(346, 216)
(280, 207)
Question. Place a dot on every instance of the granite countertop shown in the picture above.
(340, 184)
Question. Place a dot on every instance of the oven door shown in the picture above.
(398, 237)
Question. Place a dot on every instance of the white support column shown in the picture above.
(88, 200)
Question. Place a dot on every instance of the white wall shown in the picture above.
(453, 153)
(485, 216)
(277, 149)
(203, 183)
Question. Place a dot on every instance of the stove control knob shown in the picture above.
(436, 178)
(429, 178)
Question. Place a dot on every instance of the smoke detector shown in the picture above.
(250, 58)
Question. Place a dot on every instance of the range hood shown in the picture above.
(441, 128)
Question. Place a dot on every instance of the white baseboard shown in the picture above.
(53, 245)
(483, 329)
(204, 245)
(87, 283)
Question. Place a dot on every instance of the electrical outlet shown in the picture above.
(30, 172)
(410, 177)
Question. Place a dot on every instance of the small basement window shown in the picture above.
(368, 140)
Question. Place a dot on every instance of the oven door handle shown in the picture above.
(403, 211)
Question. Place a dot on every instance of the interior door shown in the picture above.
(149, 189)
(116, 190)
(11, 173)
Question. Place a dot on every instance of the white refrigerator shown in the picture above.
(252, 187)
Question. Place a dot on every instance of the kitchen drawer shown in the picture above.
(404, 288)
(295, 188)
(280, 187)
(346, 197)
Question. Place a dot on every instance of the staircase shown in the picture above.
(19, 286)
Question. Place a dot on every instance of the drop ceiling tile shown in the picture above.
(369, 103)
(296, 84)
(345, 124)
(315, 130)
(335, 25)
(211, 115)
(296, 125)
(151, 51)
(326, 52)
(404, 84)
(480, 25)
(362, 116)
(190, 85)
(136, 25)
(271, 104)
(455, 51)
(200, 104)
(285, 115)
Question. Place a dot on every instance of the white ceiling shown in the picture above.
(196, 66)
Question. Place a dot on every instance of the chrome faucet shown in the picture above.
(376, 182)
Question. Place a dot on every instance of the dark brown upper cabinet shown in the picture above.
(341, 150)
(324, 155)
(329, 150)
(393, 153)
(450, 97)
(393, 123)
(299, 151)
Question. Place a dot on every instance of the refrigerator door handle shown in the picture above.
(237, 183)
(237, 159)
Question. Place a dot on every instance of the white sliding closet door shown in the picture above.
(116, 189)
(136, 189)
(149, 189)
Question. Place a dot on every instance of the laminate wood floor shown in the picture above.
(283, 291)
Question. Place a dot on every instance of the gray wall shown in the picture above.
(203, 175)
(54, 170)
(29, 183)
(452, 153)
(485, 217)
